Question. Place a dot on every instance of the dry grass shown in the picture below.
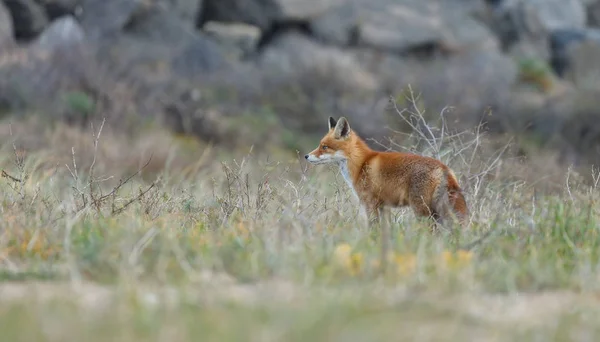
(249, 247)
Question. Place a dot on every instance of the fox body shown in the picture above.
(391, 179)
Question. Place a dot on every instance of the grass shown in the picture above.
(268, 249)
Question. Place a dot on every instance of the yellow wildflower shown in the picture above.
(243, 230)
(465, 256)
(342, 254)
(406, 263)
(351, 262)
(356, 263)
(459, 259)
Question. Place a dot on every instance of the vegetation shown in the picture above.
(100, 245)
(537, 73)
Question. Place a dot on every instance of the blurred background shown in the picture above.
(267, 73)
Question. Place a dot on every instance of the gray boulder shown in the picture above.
(263, 13)
(102, 18)
(255, 12)
(157, 54)
(293, 55)
(36, 77)
(578, 126)
(62, 33)
(470, 82)
(585, 65)
(303, 81)
(576, 56)
(190, 52)
(399, 26)
(59, 8)
(237, 40)
(6, 28)
(56, 60)
(382, 24)
(593, 13)
(138, 56)
(29, 18)
(149, 42)
(552, 15)
(562, 42)
(515, 20)
(36, 74)
(187, 10)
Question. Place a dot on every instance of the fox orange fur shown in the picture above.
(391, 179)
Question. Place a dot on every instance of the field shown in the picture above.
(102, 242)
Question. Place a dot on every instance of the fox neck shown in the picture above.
(356, 156)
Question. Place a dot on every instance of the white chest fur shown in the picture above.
(346, 174)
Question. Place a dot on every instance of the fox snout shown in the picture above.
(313, 159)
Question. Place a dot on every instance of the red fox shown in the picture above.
(391, 179)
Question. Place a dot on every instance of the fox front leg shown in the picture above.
(372, 213)
(375, 215)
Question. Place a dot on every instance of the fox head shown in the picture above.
(331, 149)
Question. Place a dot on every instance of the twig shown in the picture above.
(568, 185)
(121, 182)
(12, 178)
(478, 240)
(96, 139)
(124, 206)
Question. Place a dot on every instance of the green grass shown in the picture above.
(267, 251)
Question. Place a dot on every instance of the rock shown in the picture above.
(381, 27)
(471, 82)
(515, 20)
(187, 10)
(303, 81)
(593, 13)
(254, 12)
(305, 9)
(118, 70)
(59, 8)
(529, 48)
(157, 53)
(559, 42)
(543, 16)
(263, 13)
(101, 18)
(29, 18)
(6, 28)
(36, 77)
(191, 51)
(463, 32)
(382, 24)
(580, 128)
(293, 55)
(562, 41)
(188, 114)
(150, 45)
(584, 64)
(62, 33)
(399, 26)
(238, 39)
(198, 58)
(547, 15)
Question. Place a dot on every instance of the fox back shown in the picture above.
(391, 179)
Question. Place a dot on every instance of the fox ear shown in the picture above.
(342, 129)
(332, 123)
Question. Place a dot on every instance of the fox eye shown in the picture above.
(325, 147)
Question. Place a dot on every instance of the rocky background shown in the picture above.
(248, 71)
